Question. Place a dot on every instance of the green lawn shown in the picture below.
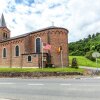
(82, 61)
(41, 70)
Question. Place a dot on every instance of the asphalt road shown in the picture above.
(50, 89)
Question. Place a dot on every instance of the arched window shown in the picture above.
(38, 45)
(4, 52)
(4, 35)
(29, 58)
(17, 50)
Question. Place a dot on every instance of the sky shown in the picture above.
(80, 17)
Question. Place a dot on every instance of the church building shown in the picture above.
(41, 48)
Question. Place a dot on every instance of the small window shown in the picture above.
(17, 50)
(4, 52)
(29, 58)
(5, 35)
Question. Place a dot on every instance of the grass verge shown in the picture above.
(41, 70)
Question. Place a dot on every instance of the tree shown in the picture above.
(92, 48)
(93, 36)
(81, 47)
(97, 47)
(89, 36)
(97, 34)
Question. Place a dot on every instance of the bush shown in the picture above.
(77, 53)
(74, 63)
(89, 56)
(49, 66)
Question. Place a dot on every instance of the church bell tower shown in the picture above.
(4, 31)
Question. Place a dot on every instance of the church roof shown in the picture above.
(33, 32)
(47, 28)
(2, 21)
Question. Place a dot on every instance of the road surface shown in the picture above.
(50, 89)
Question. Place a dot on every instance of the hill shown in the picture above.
(81, 47)
(82, 61)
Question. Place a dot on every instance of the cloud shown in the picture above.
(80, 17)
(84, 19)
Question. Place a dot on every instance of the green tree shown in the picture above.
(93, 36)
(81, 47)
(89, 36)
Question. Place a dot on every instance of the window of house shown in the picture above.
(17, 50)
(4, 53)
(38, 45)
(29, 58)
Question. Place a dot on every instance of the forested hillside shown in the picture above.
(81, 47)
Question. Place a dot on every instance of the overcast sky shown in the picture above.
(80, 17)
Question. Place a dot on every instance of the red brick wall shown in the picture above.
(5, 61)
(2, 31)
(16, 61)
(58, 37)
(11, 59)
(33, 63)
(28, 44)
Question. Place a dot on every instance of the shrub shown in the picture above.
(49, 66)
(77, 53)
(89, 56)
(74, 63)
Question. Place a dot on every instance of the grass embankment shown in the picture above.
(82, 61)
(41, 70)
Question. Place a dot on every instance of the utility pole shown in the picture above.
(42, 55)
(61, 59)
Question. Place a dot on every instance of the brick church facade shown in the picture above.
(26, 50)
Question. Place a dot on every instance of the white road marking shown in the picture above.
(65, 84)
(6, 83)
(89, 85)
(35, 84)
(4, 99)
